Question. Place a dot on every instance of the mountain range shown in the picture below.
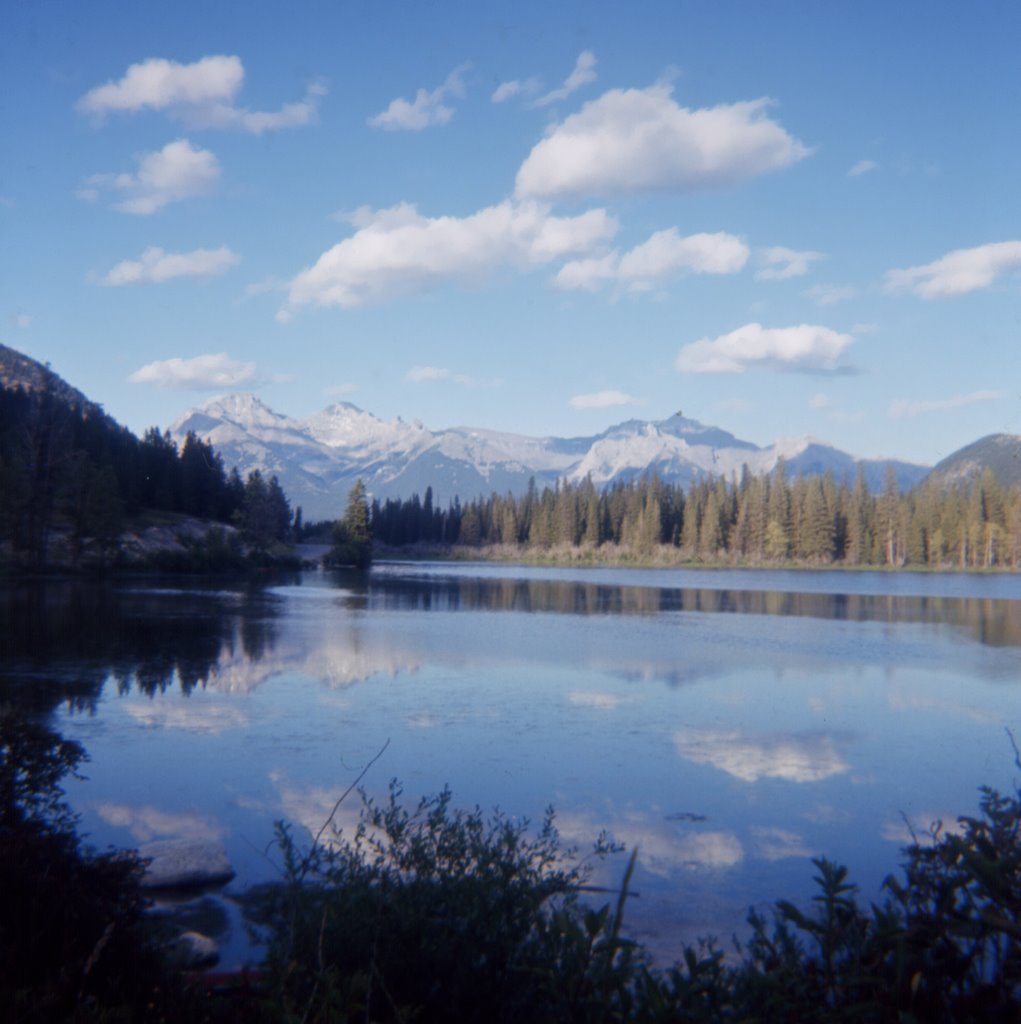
(318, 459)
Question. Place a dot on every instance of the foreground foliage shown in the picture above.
(74, 944)
(441, 914)
(432, 913)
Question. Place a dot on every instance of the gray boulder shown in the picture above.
(184, 863)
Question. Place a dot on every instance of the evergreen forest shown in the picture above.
(771, 519)
(68, 470)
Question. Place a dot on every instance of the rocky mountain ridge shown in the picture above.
(318, 459)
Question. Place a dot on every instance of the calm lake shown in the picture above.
(730, 724)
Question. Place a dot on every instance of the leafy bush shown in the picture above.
(435, 914)
(440, 914)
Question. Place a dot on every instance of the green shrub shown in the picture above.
(431, 914)
(441, 914)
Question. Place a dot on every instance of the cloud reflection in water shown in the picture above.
(145, 822)
(795, 757)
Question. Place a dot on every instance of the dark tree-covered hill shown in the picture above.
(71, 473)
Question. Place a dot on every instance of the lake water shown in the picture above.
(730, 724)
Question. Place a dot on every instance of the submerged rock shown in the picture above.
(183, 863)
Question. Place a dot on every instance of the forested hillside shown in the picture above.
(751, 519)
(70, 473)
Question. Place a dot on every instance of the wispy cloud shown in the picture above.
(862, 167)
(958, 272)
(714, 850)
(192, 716)
(602, 400)
(641, 140)
(780, 263)
(266, 286)
(146, 822)
(807, 348)
(584, 72)
(427, 374)
(516, 87)
(663, 255)
(201, 94)
(398, 252)
(177, 171)
(779, 843)
(421, 374)
(428, 108)
(905, 407)
(830, 294)
(201, 373)
(597, 699)
(156, 266)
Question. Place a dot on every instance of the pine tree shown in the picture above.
(352, 535)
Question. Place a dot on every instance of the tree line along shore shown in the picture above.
(77, 490)
(750, 520)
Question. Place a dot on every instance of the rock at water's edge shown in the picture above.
(193, 951)
(181, 863)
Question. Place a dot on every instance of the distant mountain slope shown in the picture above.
(999, 452)
(318, 459)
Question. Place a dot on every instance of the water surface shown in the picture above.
(731, 725)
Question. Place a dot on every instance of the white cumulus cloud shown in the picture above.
(426, 109)
(602, 400)
(903, 407)
(664, 254)
(398, 251)
(583, 73)
(641, 140)
(161, 84)
(177, 171)
(959, 272)
(202, 373)
(808, 348)
(201, 94)
(157, 266)
(780, 263)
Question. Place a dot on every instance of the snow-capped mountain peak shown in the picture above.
(319, 458)
(344, 425)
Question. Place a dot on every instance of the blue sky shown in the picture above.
(780, 218)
